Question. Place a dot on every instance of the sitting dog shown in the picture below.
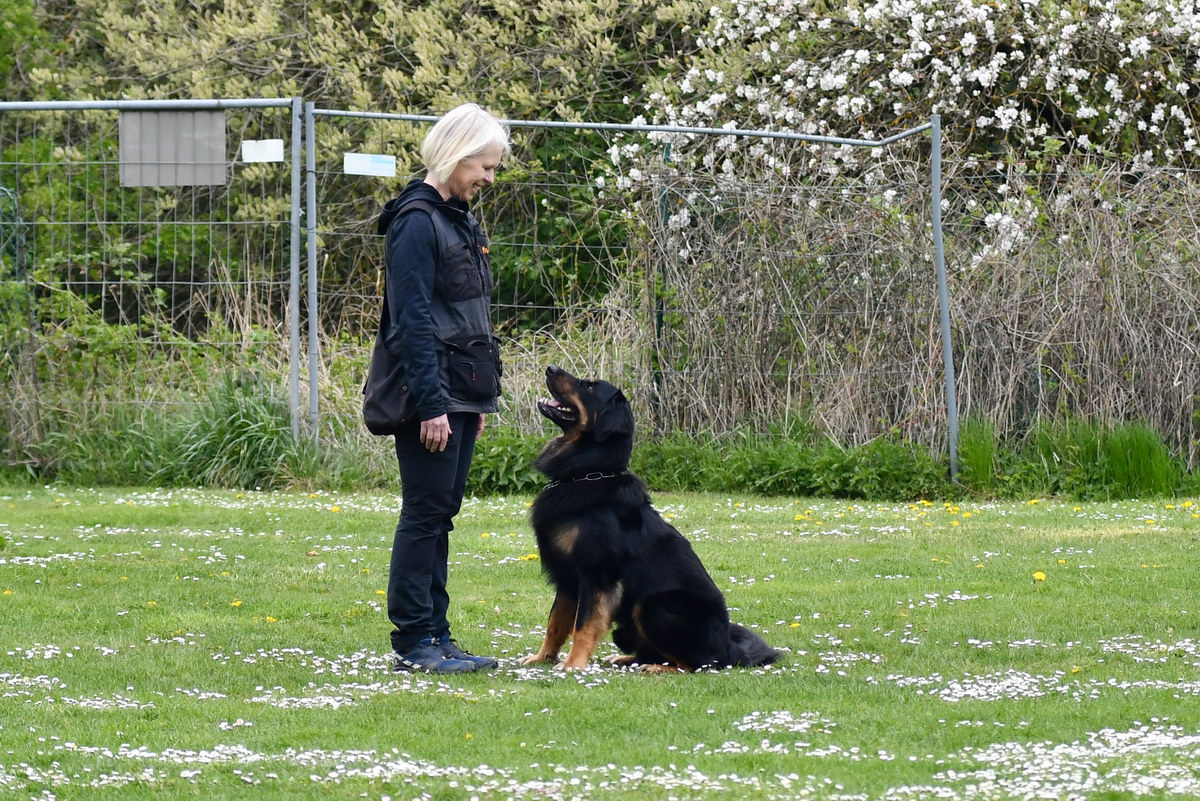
(611, 557)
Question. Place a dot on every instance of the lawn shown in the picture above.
(203, 644)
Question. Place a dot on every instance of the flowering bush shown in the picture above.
(1015, 77)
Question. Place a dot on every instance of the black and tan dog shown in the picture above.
(612, 558)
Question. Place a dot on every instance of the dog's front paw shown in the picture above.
(572, 664)
(539, 658)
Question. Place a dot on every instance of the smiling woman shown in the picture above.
(438, 367)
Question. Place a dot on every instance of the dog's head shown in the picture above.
(597, 424)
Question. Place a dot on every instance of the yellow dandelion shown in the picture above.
(270, 619)
(1187, 504)
(235, 604)
(1062, 561)
(793, 625)
(381, 592)
(1076, 669)
(335, 508)
(1039, 575)
(485, 535)
(8, 592)
(529, 557)
(151, 604)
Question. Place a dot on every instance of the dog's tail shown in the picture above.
(747, 649)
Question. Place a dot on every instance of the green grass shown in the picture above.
(216, 645)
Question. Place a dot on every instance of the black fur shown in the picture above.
(613, 560)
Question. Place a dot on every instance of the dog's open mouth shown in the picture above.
(557, 411)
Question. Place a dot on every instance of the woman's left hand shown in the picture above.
(482, 425)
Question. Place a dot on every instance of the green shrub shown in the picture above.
(239, 437)
(503, 464)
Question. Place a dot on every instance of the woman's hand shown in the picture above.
(435, 433)
(482, 424)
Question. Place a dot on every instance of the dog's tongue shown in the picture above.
(552, 402)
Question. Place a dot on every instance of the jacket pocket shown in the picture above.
(458, 276)
(473, 368)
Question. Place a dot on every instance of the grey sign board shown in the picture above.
(173, 148)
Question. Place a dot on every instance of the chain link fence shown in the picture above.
(768, 299)
(144, 256)
(766, 302)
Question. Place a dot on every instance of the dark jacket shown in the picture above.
(434, 296)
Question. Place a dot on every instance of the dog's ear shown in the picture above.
(614, 419)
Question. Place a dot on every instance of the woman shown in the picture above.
(436, 318)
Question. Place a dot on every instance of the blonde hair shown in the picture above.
(465, 132)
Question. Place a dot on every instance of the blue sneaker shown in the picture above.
(450, 650)
(427, 657)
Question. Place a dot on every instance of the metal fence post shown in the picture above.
(939, 258)
(310, 222)
(294, 292)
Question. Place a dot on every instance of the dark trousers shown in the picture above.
(433, 485)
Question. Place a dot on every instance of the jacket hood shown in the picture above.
(417, 189)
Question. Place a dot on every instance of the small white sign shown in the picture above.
(369, 164)
(262, 150)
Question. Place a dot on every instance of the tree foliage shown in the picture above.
(565, 59)
(1014, 78)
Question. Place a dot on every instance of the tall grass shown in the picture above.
(1074, 458)
(239, 435)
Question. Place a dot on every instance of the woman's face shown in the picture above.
(474, 173)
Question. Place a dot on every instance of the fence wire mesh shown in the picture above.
(1077, 294)
(764, 302)
(130, 301)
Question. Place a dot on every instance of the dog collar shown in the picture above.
(597, 476)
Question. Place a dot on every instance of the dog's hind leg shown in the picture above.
(558, 628)
(683, 628)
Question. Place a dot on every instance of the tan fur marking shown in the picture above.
(585, 640)
(565, 539)
(558, 628)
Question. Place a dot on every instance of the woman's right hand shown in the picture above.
(435, 433)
